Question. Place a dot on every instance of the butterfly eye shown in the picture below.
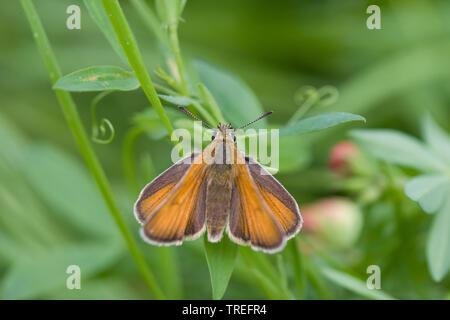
(213, 137)
(234, 138)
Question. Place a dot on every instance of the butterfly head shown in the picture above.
(224, 133)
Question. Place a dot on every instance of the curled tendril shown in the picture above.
(304, 94)
(307, 97)
(99, 130)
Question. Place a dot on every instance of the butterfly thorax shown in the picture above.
(222, 147)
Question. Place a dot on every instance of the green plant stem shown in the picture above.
(317, 280)
(299, 268)
(204, 113)
(172, 18)
(129, 46)
(251, 275)
(264, 271)
(164, 89)
(175, 46)
(71, 114)
(306, 106)
(150, 19)
(127, 159)
(170, 274)
(282, 273)
(209, 100)
(173, 83)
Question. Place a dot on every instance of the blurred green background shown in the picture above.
(52, 215)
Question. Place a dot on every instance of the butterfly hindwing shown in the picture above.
(282, 205)
(251, 221)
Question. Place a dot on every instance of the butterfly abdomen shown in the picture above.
(218, 195)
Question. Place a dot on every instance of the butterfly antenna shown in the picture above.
(192, 116)
(257, 119)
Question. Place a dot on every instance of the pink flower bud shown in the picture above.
(340, 155)
(336, 222)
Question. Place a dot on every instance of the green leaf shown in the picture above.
(436, 138)
(438, 245)
(179, 101)
(8, 249)
(161, 10)
(150, 120)
(181, 5)
(186, 101)
(98, 78)
(169, 11)
(236, 100)
(211, 102)
(172, 10)
(428, 190)
(319, 122)
(33, 277)
(104, 288)
(264, 273)
(221, 258)
(294, 154)
(398, 148)
(354, 284)
(64, 184)
(12, 140)
(98, 14)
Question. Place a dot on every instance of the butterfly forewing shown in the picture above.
(156, 191)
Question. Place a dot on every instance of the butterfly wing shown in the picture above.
(282, 205)
(156, 191)
(178, 213)
(251, 220)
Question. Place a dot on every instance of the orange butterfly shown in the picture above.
(218, 189)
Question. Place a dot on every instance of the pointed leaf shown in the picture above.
(319, 122)
(264, 273)
(236, 100)
(438, 245)
(398, 148)
(98, 78)
(104, 288)
(294, 154)
(211, 102)
(221, 258)
(436, 138)
(150, 120)
(65, 185)
(33, 277)
(354, 284)
(98, 14)
(179, 101)
(429, 191)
